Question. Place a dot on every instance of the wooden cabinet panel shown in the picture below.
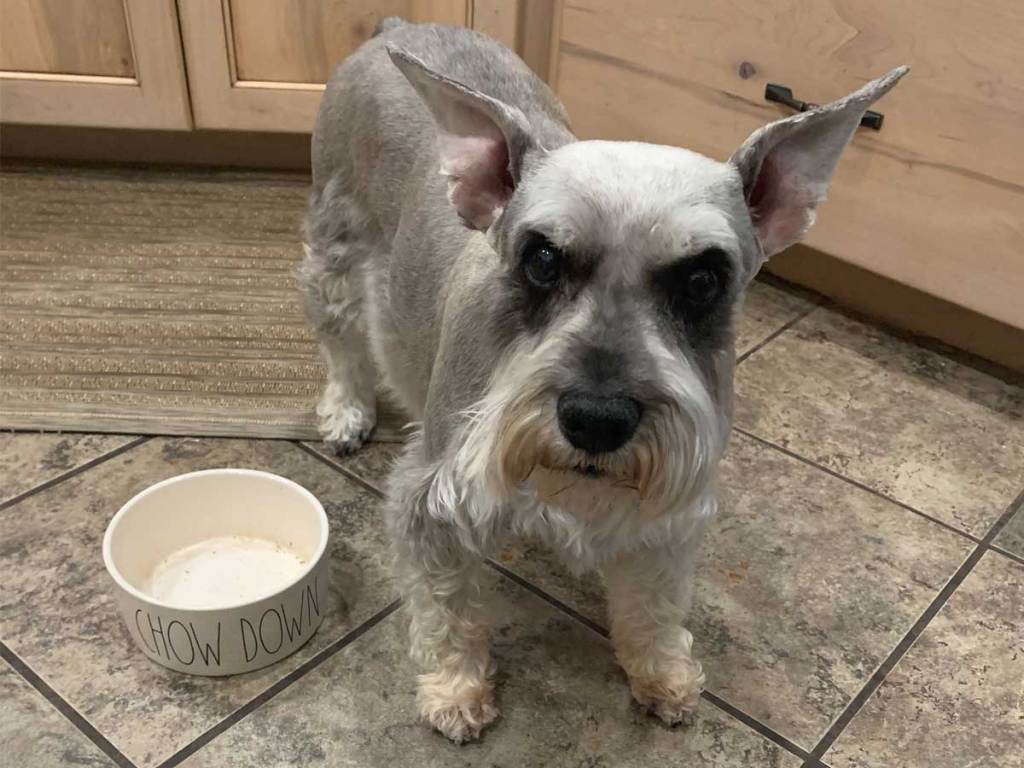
(934, 200)
(262, 64)
(103, 63)
(72, 37)
(265, 35)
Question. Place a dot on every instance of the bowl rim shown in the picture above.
(115, 573)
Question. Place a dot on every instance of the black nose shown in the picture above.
(597, 424)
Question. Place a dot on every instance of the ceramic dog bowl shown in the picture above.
(221, 571)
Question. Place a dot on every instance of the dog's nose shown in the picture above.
(598, 424)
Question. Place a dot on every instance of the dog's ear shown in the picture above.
(482, 141)
(786, 166)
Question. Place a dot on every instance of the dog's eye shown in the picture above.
(701, 287)
(693, 286)
(543, 266)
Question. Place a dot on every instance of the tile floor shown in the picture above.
(861, 600)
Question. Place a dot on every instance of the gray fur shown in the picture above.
(480, 356)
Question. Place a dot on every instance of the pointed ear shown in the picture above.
(786, 166)
(481, 141)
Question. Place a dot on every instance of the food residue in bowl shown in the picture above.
(223, 571)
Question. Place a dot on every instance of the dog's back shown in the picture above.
(378, 207)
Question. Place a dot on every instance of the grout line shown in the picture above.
(904, 645)
(1007, 553)
(339, 468)
(296, 674)
(857, 484)
(755, 725)
(551, 600)
(61, 705)
(735, 712)
(780, 330)
(74, 471)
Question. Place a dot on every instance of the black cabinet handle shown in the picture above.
(784, 95)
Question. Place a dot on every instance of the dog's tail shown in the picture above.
(388, 23)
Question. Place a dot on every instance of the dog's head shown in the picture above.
(623, 265)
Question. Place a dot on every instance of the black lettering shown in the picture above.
(156, 632)
(205, 649)
(245, 641)
(291, 626)
(312, 592)
(280, 631)
(138, 626)
(188, 639)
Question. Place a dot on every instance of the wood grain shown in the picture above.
(155, 302)
(153, 95)
(272, 75)
(73, 37)
(935, 200)
(301, 41)
(528, 27)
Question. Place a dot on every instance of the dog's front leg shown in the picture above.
(648, 599)
(440, 580)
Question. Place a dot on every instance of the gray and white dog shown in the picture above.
(557, 317)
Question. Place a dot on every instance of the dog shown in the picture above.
(557, 316)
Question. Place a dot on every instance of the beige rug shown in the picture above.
(155, 302)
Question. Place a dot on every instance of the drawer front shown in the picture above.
(934, 200)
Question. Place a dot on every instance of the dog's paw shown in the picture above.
(673, 699)
(344, 424)
(458, 712)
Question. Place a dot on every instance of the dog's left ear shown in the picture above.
(481, 140)
(786, 166)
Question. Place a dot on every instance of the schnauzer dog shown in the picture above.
(557, 317)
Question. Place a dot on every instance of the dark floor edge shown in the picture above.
(550, 599)
(756, 725)
(285, 682)
(857, 484)
(75, 471)
(779, 331)
(738, 714)
(908, 640)
(1007, 553)
(339, 468)
(61, 705)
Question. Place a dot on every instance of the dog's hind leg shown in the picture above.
(440, 580)
(338, 251)
(648, 598)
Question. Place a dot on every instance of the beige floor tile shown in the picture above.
(35, 734)
(564, 702)
(957, 698)
(28, 459)
(807, 583)
(767, 308)
(371, 463)
(1011, 538)
(56, 602)
(919, 426)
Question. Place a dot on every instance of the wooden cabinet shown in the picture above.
(261, 65)
(109, 63)
(934, 200)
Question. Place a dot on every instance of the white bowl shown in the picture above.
(220, 571)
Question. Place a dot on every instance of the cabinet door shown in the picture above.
(934, 200)
(106, 63)
(261, 65)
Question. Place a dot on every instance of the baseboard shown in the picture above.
(240, 149)
(902, 307)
